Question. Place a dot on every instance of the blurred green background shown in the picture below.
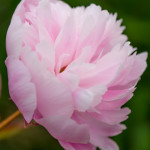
(136, 18)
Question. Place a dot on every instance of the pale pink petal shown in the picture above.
(130, 75)
(112, 116)
(106, 71)
(22, 90)
(103, 142)
(82, 99)
(45, 51)
(70, 79)
(66, 41)
(56, 19)
(81, 68)
(15, 35)
(115, 94)
(110, 105)
(138, 67)
(98, 126)
(98, 91)
(65, 129)
(53, 96)
(72, 146)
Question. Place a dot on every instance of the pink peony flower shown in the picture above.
(71, 70)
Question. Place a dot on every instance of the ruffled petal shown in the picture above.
(103, 143)
(82, 99)
(53, 96)
(72, 146)
(106, 71)
(15, 35)
(22, 90)
(66, 42)
(110, 105)
(65, 129)
(112, 117)
(97, 126)
(56, 20)
(70, 79)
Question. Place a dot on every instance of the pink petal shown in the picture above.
(82, 99)
(55, 20)
(106, 71)
(70, 79)
(66, 41)
(103, 143)
(97, 126)
(45, 51)
(98, 91)
(115, 94)
(112, 116)
(110, 105)
(53, 96)
(135, 66)
(72, 146)
(14, 35)
(65, 129)
(139, 67)
(22, 90)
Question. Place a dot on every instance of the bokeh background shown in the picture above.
(136, 18)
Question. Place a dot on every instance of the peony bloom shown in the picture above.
(71, 70)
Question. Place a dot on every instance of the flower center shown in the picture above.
(62, 69)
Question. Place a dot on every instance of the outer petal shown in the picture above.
(112, 117)
(97, 126)
(53, 96)
(139, 67)
(135, 66)
(107, 70)
(55, 20)
(22, 90)
(103, 142)
(65, 129)
(110, 105)
(15, 35)
(115, 94)
(71, 146)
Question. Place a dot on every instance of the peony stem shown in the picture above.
(8, 120)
